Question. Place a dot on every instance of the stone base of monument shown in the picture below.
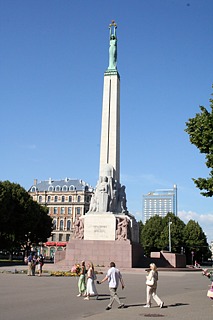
(102, 252)
(104, 241)
(102, 226)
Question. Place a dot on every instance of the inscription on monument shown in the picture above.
(99, 227)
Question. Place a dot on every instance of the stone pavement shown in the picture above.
(55, 298)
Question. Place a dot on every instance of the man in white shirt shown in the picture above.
(113, 276)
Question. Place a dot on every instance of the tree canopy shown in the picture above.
(200, 130)
(21, 217)
(184, 237)
(195, 240)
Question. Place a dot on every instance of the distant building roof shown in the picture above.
(60, 185)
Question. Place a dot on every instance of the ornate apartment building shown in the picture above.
(66, 200)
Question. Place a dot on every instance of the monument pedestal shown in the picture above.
(101, 253)
(103, 243)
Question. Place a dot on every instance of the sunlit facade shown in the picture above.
(66, 200)
(160, 202)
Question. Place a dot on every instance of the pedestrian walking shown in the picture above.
(34, 263)
(91, 288)
(82, 280)
(40, 263)
(29, 264)
(114, 277)
(151, 287)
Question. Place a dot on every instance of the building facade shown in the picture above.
(160, 202)
(66, 200)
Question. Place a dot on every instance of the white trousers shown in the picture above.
(151, 293)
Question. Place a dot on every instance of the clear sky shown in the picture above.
(53, 54)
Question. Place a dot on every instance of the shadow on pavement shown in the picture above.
(176, 305)
(134, 305)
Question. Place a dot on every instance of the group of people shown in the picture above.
(33, 261)
(87, 287)
(86, 282)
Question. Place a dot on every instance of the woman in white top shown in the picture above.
(91, 288)
(151, 287)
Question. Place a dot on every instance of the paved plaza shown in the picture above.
(55, 298)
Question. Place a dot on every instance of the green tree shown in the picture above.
(151, 234)
(21, 216)
(196, 246)
(176, 232)
(200, 130)
(155, 234)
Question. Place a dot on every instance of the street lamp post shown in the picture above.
(170, 245)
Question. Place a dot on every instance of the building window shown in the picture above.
(55, 211)
(56, 199)
(67, 237)
(68, 225)
(63, 199)
(48, 199)
(71, 188)
(78, 210)
(57, 188)
(54, 224)
(61, 225)
(40, 199)
(70, 198)
(69, 210)
(79, 199)
(62, 210)
(51, 188)
(33, 189)
(60, 238)
(64, 188)
(53, 237)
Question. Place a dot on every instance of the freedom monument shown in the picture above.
(107, 232)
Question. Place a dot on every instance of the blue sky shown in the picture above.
(53, 57)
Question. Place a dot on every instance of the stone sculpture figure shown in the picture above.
(79, 229)
(122, 199)
(118, 230)
(109, 196)
(122, 229)
(114, 198)
(94, 202)
(103, 194)
(77, 226)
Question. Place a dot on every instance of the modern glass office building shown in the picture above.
(160, 202)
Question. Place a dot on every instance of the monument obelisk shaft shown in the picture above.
(110, 132)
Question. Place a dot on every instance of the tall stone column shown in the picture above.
(110, 196)
(110, 129)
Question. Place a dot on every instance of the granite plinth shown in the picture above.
(101, 253)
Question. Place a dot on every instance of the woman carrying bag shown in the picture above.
(151, 287)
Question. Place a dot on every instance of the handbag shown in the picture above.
(150, 282)
(210, 293)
